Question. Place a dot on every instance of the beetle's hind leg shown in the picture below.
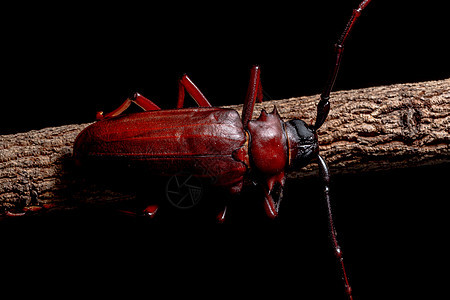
(138, 99)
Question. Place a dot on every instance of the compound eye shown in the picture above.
(305, 134)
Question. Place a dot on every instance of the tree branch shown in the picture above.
(371, 129)
(377, 128)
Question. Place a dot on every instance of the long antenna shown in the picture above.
(325, 176)
(324, 105)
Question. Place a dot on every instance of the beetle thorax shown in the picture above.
(268, 143)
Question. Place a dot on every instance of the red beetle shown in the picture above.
(230, 148)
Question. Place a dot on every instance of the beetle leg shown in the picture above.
(254, 93)
(186, 83)
(144, 103)
(136, 98)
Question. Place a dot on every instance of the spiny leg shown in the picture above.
(325, 176)
(254, 93)
(136, 98)
(324, 105)
(186, 83)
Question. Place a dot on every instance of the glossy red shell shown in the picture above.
(269, 148)
(200, 141)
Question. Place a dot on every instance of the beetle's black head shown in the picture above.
(303, 143)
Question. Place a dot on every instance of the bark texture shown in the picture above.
(368, 129)
(377, 128)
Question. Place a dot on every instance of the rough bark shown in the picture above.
(375, 128)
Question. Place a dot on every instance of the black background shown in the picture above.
(63, 63)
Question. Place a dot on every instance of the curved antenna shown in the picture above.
(325, 176)
(324, 105)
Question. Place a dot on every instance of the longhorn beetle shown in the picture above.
(233, 149)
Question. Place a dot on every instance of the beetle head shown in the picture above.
(303, 143)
